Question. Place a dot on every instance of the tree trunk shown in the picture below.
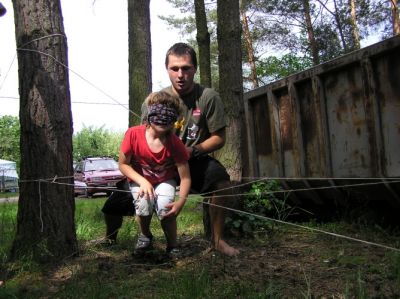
(203, 41)
(250, 50)
(310, 32)
(45, 227)
(395, 17)
(140, 82)
(339, 26)
(354, 27)
(231, 84)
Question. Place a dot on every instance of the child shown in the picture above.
(150, 157)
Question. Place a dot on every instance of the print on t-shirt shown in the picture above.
(192, 131)
(152, 169)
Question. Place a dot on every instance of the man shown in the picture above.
(202, 130)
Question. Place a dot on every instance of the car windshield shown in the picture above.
(101, 165)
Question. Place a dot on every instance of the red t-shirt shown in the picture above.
(152, 165)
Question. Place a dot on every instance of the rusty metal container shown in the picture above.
(331, 126)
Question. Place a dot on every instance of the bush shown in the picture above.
(264, 201)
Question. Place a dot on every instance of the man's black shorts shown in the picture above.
(120, 202)
(205, 172)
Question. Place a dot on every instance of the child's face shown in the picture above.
(162, 129)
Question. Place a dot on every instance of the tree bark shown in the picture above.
(310, 32)
(45, 225)
(203, 41)
(354, 27)
(140, 82)
(395, 17)
(339, 26)
(250, 50)
(231, 84)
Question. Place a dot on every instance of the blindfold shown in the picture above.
(162, 115)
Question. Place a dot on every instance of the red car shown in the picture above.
(100, 174)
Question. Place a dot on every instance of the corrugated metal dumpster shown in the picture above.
(334, 125)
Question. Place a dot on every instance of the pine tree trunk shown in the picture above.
(203, 41)
(45, 227)
(231, 84)
(354, 27)
(140, 82)
(395, 17)
(310, 32)
(339, 26)
(250, 50)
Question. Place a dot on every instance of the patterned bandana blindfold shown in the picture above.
(162, 115)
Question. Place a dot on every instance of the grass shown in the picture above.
(112, 273)
(8, 194)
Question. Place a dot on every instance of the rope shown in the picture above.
(195, 196)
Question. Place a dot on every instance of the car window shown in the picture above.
(99, 165)
(79, 167)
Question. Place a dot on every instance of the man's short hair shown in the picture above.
(180, 49)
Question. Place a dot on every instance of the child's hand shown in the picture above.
(146, 190)
(175, 209)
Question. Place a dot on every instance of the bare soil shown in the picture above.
(297, 263)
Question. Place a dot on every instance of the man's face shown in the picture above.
(181, 73)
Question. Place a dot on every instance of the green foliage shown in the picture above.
(89, 141)
(262, 200)
(273, 68)
(395, 266)
(9, 139)
(92, 141)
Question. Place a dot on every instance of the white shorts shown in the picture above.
(164, 194)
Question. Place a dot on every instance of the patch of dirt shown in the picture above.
(298, 263)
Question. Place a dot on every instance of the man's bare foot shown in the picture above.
(225, 248)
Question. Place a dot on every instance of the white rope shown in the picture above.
(195, 196)
(40, 208)
(303, 227)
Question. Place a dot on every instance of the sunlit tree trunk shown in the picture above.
(310, 32)
(203, 41)
(354, 27)
(395, 17)
(45, 227)
(249, 47)
(140, 81)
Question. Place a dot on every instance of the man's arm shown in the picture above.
(211, 144)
